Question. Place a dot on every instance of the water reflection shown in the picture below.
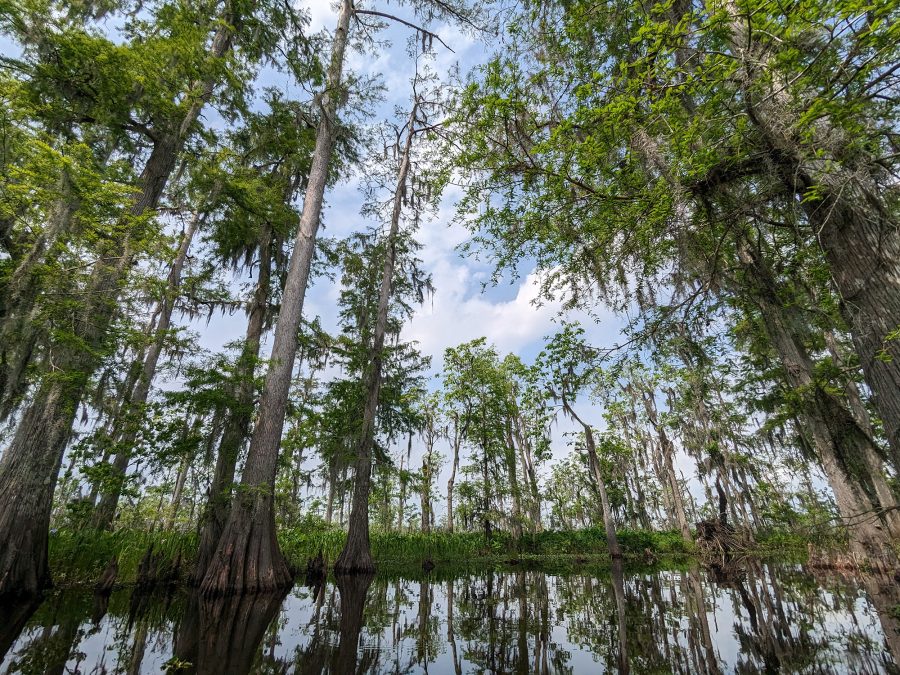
(759, 618)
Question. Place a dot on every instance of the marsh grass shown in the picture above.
(79, 557)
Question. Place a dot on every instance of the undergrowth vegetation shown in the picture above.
(80, 557)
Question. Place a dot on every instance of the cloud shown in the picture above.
(457, 315)
(322, 14)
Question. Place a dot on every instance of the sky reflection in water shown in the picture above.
(767, 618)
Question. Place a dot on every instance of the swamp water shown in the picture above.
(764, 618)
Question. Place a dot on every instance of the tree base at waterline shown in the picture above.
(24, 571)
(248, 560)
(356, 558)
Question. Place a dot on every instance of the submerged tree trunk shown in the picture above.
(356, 555)
(353, 589)
(248, 557)
(618, 580)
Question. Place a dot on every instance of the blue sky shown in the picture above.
(463, 306)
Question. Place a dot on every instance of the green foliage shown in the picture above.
(79, 557)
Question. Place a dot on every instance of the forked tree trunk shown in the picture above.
(531, 475)
(515, 490)
(357, 555)
(248, 557)
(612, 541)
(175, 506)
(666, 465)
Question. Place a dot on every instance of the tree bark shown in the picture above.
(612, 541)
(512, 475)
(238, 422)
(856, 229)
(248, 557)
(18, 310)
(531, 475)
(356, 557)
(176, 497)
(840, 443)
(137, 397)
(458, 434)
(30, 466)
(667, 474)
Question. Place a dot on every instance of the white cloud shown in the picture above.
(457, 315)
(322, 14)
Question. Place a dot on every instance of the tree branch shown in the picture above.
(372, 12)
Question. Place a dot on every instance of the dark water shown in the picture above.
(766, 618)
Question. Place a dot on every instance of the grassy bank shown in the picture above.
(78, 558)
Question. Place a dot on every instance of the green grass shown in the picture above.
(79, 557)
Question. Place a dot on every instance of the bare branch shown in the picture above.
(391, 17)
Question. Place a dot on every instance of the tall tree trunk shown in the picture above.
(531, 475)
(30, 466)
(248, 557)
(857, 230)
(237, 425)
(19, 310)
(133, 408)
(512, 475)
(458, 434)
(401, 501)
(612, 541)
(667, 465)
(356, 555)
(427, 475)
(332, 479)
(176, 496)
(839, 441)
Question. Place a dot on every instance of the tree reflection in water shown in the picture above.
(756, 618)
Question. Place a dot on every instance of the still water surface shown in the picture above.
(766, 618)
